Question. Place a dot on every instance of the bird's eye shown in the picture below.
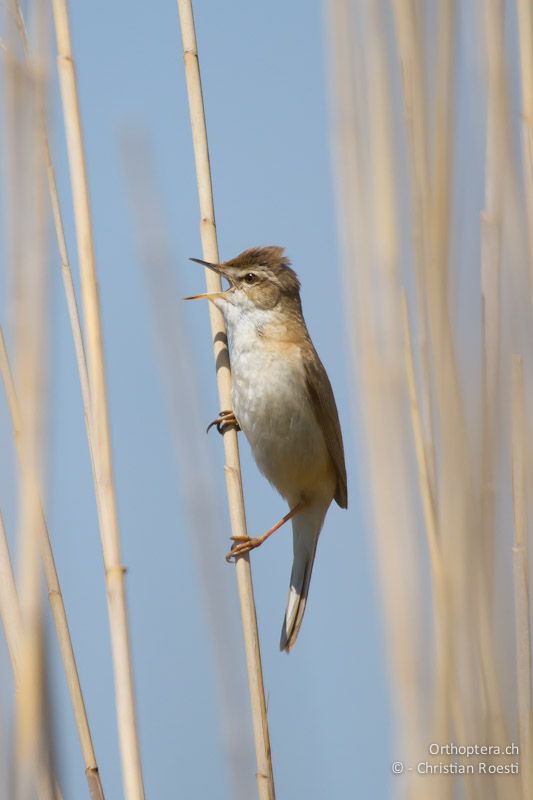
(249, 278)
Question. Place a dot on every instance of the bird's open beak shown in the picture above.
(205, 296)
(208, 295)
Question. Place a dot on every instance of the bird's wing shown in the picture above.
(325, 409)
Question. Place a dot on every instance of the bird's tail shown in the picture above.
(306, 527)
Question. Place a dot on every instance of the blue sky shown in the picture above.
(265, 90)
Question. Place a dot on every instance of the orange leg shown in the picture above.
(243, 544)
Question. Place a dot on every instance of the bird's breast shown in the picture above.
(272, 405)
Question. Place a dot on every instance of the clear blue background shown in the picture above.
(265, 88)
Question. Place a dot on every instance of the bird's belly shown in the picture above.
(274, 411)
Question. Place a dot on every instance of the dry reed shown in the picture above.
(55, 596)
(27, 86)
(51, 577)
(9, 605)
(264, 774)
(456, 498)
(525, 36)
(191, 448)
(97, 417)
(521, 578)
(369, 226)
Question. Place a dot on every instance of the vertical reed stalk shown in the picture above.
(455, 449)
(66, 271)
(265, 779)
(459, 519)
(525, 33)
(491, 246)
(408, 30)
(98, 429)
(52, 580)
(367, 203)
(429, 215)
(25, 88)
(12, 622)
(428, 503)
(521, 579)
(55, 597)
(491, 239)
(30, 328)
(9, 605)
(195, 467)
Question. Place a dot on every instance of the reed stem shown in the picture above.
(55, 597)
(97, 414)
(9, 605)
(265, 778)
(521, 579)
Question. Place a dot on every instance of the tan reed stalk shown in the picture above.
(456, 494)
(428, 504)
(525, 33)
(430, 213)
(66, 271)
(366, 184)
(440, 158)
(55, 596)
(32, 767)
(491, 246)
(98, 415)
(9, 605)
(441, 161)
(497, 168)
(195, 468)
(265, 778)
(460, 525)
(430, 174)
(52, 580)
(54, 592)
(12, 623)
(446, 695)
(408, 32)
(521, 579)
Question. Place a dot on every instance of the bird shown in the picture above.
(284, 404)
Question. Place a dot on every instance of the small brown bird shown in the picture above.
(284, 404)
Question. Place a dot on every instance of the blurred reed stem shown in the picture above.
(369, 228)
(408, 38)
(443, 686)
(55, 596)
(52, 580)
(264, 774)
(430, 181)
(521, 578)
(33, 771)
(525, 34)
(12, 622)
(66, 271)
(97, 415)
(9, 605)
(399, 227)
(158, 258)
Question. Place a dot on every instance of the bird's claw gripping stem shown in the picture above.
(243, 544)
(225, 420)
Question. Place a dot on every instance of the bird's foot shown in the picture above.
(243, 544)
(225, 420)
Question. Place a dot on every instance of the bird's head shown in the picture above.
(258, 278)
